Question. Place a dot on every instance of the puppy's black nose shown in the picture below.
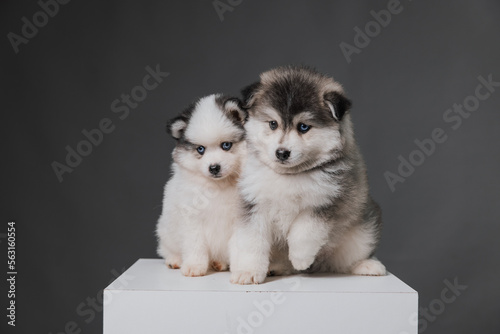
(282, 154)
(214, 169)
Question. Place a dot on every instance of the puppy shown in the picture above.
(201, 199)
(306, 205)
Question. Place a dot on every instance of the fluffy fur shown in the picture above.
(304, 189)
(201, 200)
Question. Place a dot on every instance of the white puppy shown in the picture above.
(201, 201)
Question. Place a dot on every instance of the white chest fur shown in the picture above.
(261, 184)
(281, 197)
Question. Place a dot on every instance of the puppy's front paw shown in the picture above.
(191, 270)
(301, 262)
(369, 267)
(247, 277)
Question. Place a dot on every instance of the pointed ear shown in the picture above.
(248, 94)
(234, 110)
(176, 127)
(338, 104)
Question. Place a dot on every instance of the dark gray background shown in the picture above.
(441, 223)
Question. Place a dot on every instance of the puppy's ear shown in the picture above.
(176, 127)
(338, 104)
(234, 110)
(248, 94)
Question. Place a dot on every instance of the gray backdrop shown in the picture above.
(441, 223)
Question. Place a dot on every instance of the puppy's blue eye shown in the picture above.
(303, 127)
(273, 125)
(226, 146)
(201, 149)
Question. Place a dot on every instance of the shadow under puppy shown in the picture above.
(200, 203)
(304, 188)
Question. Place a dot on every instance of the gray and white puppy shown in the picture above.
(304, 188)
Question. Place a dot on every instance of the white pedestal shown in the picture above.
(150, 298)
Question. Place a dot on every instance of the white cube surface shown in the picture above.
(151, 298)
